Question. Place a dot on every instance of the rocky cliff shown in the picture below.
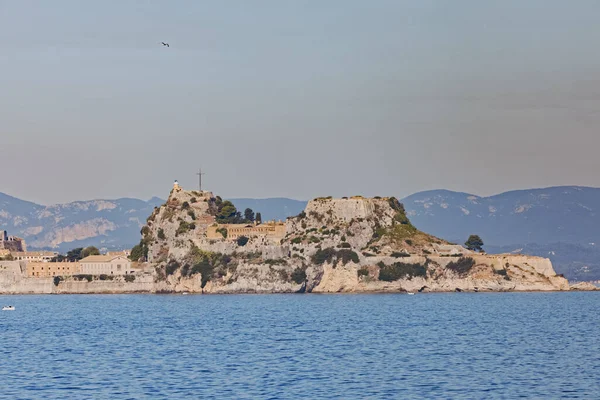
(335, 245)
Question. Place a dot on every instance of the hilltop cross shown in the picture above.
(200, 173)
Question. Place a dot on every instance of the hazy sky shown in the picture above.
(297, 98)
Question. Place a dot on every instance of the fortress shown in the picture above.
(11, 243)
(271, 230)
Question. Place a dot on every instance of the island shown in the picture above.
(197, 242)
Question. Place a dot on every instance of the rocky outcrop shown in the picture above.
(335, 245)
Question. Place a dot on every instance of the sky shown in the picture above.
(299, 99)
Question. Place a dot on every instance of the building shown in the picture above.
(45, 269)
(125, 253)
(4, 253)
(271, 230)
(11, 243)
(106, 265)
(35, 256)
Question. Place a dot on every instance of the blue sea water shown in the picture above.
(463, 345)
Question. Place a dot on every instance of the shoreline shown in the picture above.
(382, 292)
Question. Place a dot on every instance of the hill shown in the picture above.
(357, 244)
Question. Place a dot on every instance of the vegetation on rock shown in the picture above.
(333, 256)
(299, 275)
(242, 240)
(400, 270)
(461, 266)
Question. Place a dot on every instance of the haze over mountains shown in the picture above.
(561, 223)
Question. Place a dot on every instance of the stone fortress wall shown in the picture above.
(11, 243)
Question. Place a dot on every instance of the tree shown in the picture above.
(227, 212)
(74, 255)
(249, 215)
(139, 251)
(258, 218)
(90, 251)
(242, 240)
(474, 243)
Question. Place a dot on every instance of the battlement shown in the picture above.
(274, 230)
(11, 243)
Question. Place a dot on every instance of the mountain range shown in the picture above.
(561, 223)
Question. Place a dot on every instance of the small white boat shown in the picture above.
(410, 293)
(8, 308)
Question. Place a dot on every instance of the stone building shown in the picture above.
(45, 269)
(106, 265)
(272, 230)
(11, 243)
(34, 256)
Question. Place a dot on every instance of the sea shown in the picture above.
(307, 346)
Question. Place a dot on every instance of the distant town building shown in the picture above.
(106, 265)
(271, 230)
(37, 256)
(45, 269)
(11, 243)
(125, 253)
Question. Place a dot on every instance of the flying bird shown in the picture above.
(165, 44)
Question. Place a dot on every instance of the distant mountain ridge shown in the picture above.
(111, 224)
(104, 223)
(567, 214)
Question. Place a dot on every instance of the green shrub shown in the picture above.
(296, 240)
(204, 268)
(425, 251)
(104, 277)
(363, 272)
(129, 278)
(400, 254)
(185, 205)
(299, 275)
(314, 239)
(193, 200)
(399, 270)
(462, 265)
(279, 261)
(332, 256)
(502, 272)
(408, 242)
(223, 232)
(171, 267)
(183, 228)
(192, 214)
(161, 234)
(82, 277)
(345, 245)
(242, 240)
(168, 214)
(57, 280)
